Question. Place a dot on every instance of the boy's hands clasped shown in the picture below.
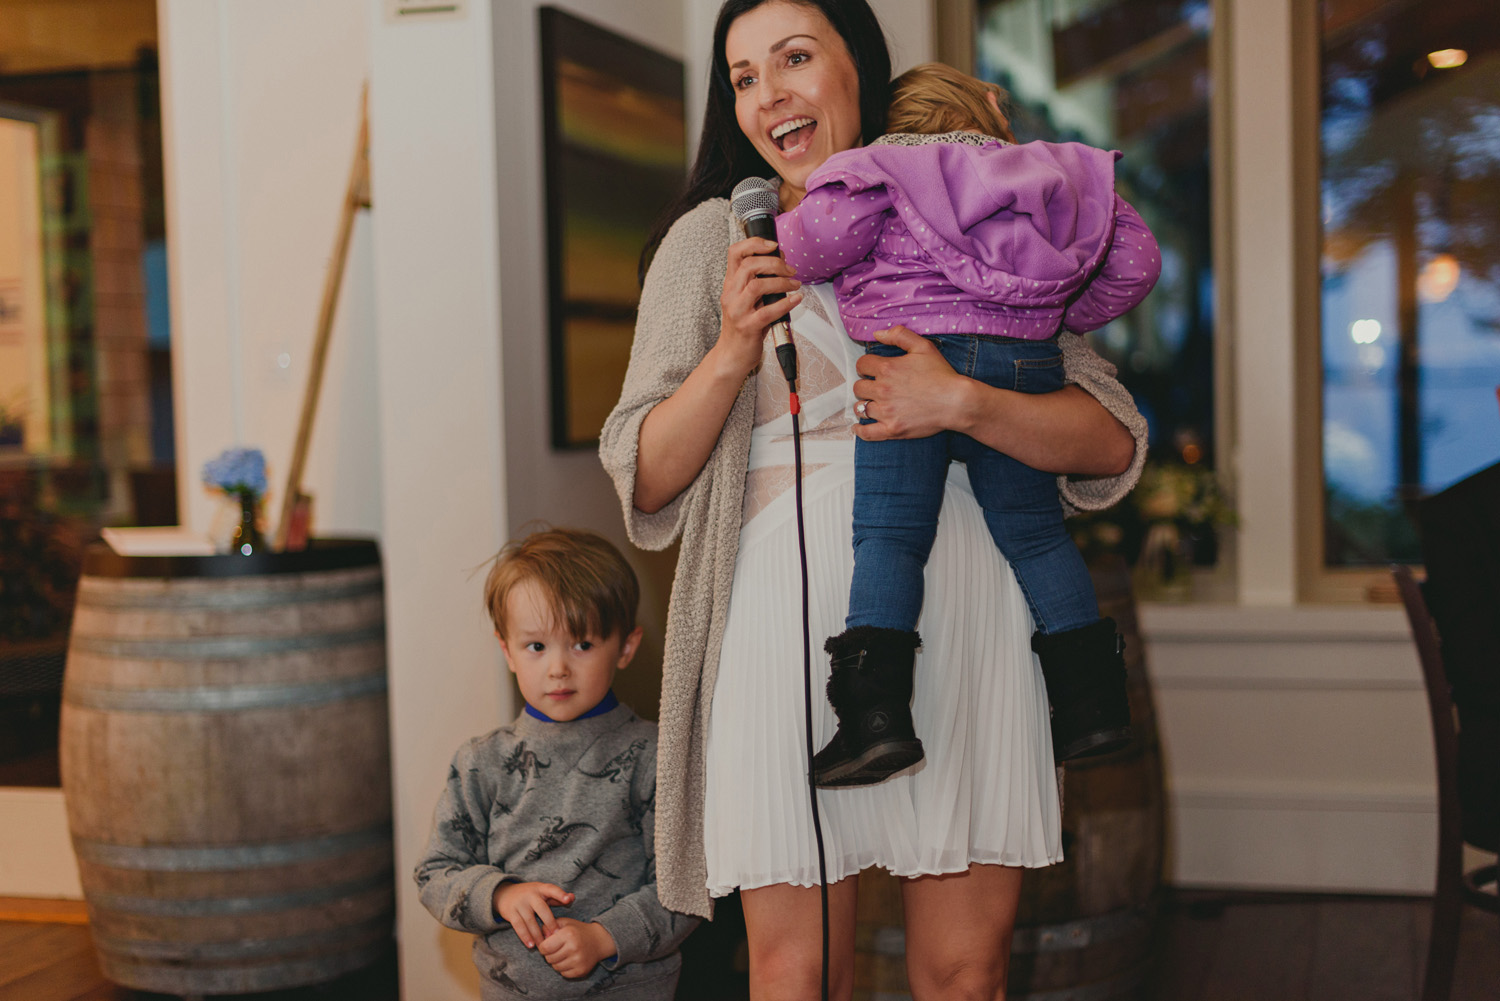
(576, 947)
(569, 946)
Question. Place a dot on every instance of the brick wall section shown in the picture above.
(117, 241)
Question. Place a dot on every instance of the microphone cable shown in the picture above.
(755, 204)
(812, 788)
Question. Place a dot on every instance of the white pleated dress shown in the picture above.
(987, 791)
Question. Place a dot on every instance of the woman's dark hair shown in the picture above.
(725, 154)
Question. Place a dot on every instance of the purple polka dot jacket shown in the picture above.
(950, 237)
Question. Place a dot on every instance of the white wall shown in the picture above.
(437, 270)
(909, 30)
(260, 108)
(1262, 309)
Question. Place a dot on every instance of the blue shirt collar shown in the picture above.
(605, 705)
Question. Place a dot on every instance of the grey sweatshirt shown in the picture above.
(567, 803)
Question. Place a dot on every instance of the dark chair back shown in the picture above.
(1439, 703)
(1461, 547)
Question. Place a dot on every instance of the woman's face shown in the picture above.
(796, 90)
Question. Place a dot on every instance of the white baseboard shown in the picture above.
(36, 854)
(1303, 838)
(1297, 746)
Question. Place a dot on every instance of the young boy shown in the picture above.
(542, 844)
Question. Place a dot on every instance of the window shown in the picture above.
(1134, 77)
(1410, 264)
(85, 382)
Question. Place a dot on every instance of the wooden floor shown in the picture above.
(1218, 947)
(55, 962)
(1293, 947)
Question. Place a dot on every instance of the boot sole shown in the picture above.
(875, 765)
(1094, 744)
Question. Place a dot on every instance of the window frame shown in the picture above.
(1317, 583)
(1264, 128)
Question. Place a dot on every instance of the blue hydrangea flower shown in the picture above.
(237, 471)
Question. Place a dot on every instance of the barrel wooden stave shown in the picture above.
(90, 673)
(225, 759)
(290, 605)
(251, 777)
(207, 972)
(164, 877)
(195, 921)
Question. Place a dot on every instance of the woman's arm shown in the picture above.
(680, 325)
(1068, 432)
(680, 432)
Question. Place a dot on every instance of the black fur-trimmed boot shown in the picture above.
(1085, 673)
(870, 689)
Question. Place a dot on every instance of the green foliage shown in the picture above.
(1185, 498)
(39, 566)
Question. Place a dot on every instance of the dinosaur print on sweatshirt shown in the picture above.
(555, 836)
(617, 768)
(525, 761)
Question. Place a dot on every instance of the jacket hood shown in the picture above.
(988, 214)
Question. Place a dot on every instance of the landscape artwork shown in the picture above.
(614, 147)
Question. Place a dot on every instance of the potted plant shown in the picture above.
(1167, 525)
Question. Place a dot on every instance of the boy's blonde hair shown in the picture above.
(933, 98)
(589, 587)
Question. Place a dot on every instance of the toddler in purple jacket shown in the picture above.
(990, 249)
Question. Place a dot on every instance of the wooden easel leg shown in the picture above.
(356, 197)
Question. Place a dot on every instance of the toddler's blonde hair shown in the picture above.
(933, 98)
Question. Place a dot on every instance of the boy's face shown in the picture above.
(560, 677)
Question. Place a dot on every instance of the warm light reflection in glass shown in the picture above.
(1447, 59)
(1438, 279)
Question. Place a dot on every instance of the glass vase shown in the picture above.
(247, 538)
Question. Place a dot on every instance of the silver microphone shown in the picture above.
(755, 204)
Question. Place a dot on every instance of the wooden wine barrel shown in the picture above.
(226, 767)
(1085, 928)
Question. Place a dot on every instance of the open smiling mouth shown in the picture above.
(794, 135)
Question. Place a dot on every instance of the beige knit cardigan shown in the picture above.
(678, 323)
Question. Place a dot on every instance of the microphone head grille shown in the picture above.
(754, 196)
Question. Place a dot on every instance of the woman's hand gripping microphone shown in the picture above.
(755, 204)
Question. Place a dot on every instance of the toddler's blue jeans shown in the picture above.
(898, 493)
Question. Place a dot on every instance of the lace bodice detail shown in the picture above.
(825, 371)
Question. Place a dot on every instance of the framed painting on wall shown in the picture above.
(614, 146)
